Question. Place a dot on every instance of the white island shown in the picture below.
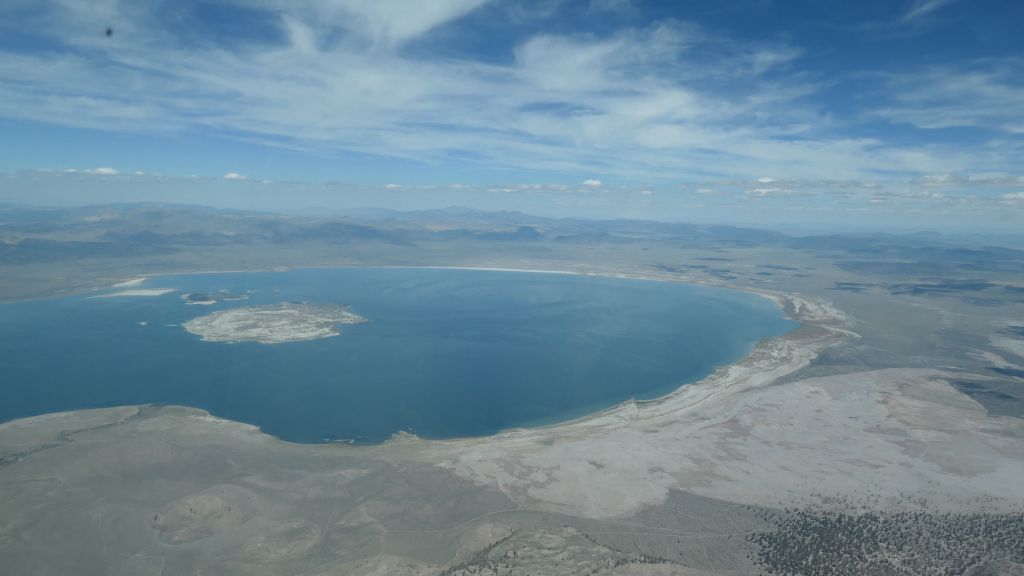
(273, 323)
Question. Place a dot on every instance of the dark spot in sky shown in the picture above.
(110, 32)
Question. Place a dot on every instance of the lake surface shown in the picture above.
(445, 353)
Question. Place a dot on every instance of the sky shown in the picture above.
(889, 114)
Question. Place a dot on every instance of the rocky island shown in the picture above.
(273, 323)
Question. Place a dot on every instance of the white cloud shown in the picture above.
(666, 101)
(103, 171)
(939, 180)
(984, 94)
(385, 23)
(592, 183)
(921, 8)
(919, 194)
(235, 176)
(629, 99)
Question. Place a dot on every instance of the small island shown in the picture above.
(273, 323)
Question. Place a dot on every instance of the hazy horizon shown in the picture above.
(691, 203)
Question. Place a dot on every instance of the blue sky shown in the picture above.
(872, 113)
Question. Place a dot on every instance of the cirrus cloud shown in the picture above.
(662, 100)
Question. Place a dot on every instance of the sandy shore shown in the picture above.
(486, 269)
(863, 440)
(137, 292)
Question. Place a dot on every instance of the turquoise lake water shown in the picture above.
(445, 353)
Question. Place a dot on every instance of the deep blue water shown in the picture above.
(446, 352)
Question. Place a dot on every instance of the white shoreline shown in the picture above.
(826, 315)
(656, 277)
(722, 376)
(138, 292)
(830, 315)
(480, 268)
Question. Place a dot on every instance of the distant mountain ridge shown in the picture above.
(45, 234)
